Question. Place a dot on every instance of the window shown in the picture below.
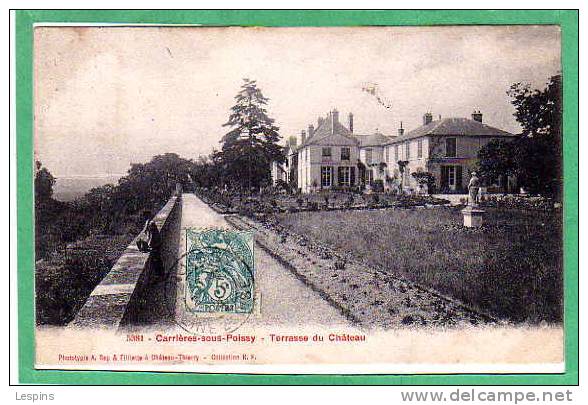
(450, 147)
(326, 176)
(345, 153)
(395, 153)
(407, 146)
(387, 154)
(451, 177)
(327, 152)
(370, 176)
(420, 148)
(344, 176)
(368, 156)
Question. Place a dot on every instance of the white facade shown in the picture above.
(446, 148)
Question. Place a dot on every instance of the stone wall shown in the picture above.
(132, 292)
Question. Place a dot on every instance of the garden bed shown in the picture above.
(231, 202)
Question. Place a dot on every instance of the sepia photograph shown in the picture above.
(366, 199)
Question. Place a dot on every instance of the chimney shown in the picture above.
(320, 121)
(351, 122)
(427, 118)
(334, 119)
(293, 142)
(400, 130)
(477, 116)
(302, 137)
(310, 130)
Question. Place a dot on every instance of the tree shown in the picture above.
(44, 182)
(538, 111)
(293, 173)
(497, 160)
(401, 166)
(539, 153)
(150, 185)
(252, 143)
(208, 171)
(361, 170)
(535, 156)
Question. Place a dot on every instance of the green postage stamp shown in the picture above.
(220, 270)
(196, 197)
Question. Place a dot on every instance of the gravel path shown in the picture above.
(283, 299)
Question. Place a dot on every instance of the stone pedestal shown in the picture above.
(473, 217)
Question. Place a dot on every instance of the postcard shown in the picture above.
(348, 200)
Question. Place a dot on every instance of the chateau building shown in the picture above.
(333, 156)
(447, 148)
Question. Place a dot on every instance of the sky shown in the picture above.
(106, 97)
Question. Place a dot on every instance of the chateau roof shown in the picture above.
(325, 134)
(453, 127)
(376, 139)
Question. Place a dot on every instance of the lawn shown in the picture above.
(512, 268)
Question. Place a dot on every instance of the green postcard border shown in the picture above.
(24, 21)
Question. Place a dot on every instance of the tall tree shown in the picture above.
(252, 143)
(535, 157)
(538, 154)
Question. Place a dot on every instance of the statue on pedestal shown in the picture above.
(473, 190)
(473, 216)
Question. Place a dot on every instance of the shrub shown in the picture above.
(282, 185)
(425, 179)
(378, 186)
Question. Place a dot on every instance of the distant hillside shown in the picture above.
(72, 188)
